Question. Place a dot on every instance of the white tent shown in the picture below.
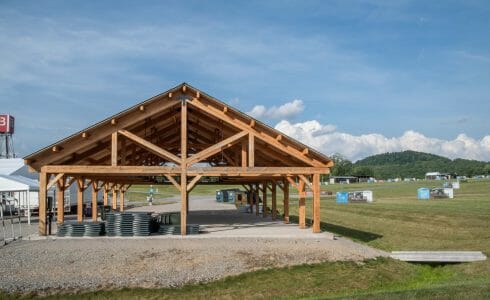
(24, 190)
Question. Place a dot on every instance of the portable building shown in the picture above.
(342, 197)
(423, 194)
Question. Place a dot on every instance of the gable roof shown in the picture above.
(156, 120)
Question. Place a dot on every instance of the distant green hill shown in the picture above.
(413, 164)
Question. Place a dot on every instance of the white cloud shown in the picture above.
(327, 140)
(285, 111)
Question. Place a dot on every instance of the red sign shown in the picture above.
(7, 124)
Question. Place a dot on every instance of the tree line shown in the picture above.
(407, 164)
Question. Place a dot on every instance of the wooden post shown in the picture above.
(286, 201)
(316, 203)
(251, 150)
(183, 176)
(114, 149)
(256, 195)
(274, 203)
(43, 182)
(302, 208)
(95, 189)
(60, 200)
(244, 153)
(106, 193)
(264, 199)
(121, 199)
(114, 197)
(80, 189)
(123, 152)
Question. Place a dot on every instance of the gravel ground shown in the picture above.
(69, 265)
(236, 244)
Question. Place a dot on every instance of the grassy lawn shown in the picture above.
(395, 221)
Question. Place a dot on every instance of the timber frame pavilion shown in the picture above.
(182, 135)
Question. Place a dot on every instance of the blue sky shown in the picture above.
(355, 77)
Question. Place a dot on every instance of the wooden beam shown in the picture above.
(123, 152)
(114, 197)
(172, 180)
(80, 189)
(261, 135)
(193, 182)
(121, 199)
(251, 150)
(161, 170)
(305, 180)
(43, 182)
(60, 200)
(151, 147)
(244, 154)
(54, 180)
(94, 201)
(156, 105)
(286, 201)
(215, 148)
(293, 183)
(184, 201)
(274, 199)
(114, 149)
(316, 203)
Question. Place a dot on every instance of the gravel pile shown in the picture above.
(69, 265)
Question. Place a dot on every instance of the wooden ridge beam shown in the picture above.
(151, 147)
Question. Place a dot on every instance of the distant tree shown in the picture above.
(363, 171)
(342, 166)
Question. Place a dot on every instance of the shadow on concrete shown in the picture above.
(352, 233)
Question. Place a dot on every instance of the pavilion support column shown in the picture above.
(95, 190)
(184, 200)
(302, 202)
(80, 189)
(114, 197)
(264, 199)
(256, 195)
(316, 203)
(273, 199)
(286, 201)
(121, 199)
(43, 183)
(60, 200)
(106, 194)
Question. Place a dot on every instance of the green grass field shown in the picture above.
(395, 221)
